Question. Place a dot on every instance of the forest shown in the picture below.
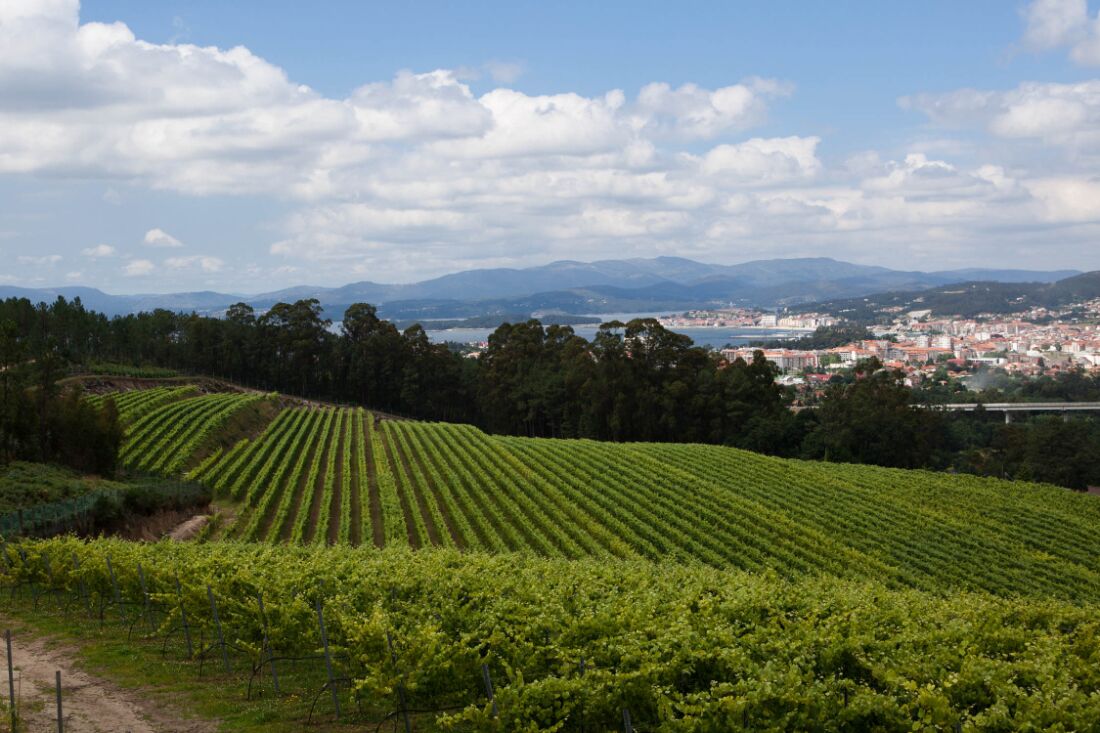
(634, 381)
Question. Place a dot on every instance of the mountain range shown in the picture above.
(966, 300)
(574, 288)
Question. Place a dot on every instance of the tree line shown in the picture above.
(633, 381)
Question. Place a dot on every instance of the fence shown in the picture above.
(161, 608)
(79, 514)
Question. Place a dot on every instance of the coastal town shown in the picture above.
(923, 344)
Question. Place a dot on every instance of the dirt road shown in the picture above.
(90, 704)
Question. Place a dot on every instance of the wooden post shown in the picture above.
(328, 660)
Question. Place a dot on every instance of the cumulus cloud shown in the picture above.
(100, 250)
(765, 160)
(418, 173)
(1061, 114)
(138, 268)
(693, 112)
(1063, 23)
(202, 262)
(161, 238)
(1067, 199)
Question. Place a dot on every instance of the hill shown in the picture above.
(967, 299)
(569, 287)
(318, 476)
(505, 584)
(559, 645)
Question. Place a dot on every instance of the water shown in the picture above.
(714, 337)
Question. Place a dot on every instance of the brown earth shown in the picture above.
(90, 704)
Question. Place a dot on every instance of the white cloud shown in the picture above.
(759, 160)
(1063, 23)
(203, 262)
(138, 268)
(693, 112)
(100, 250)
(75, 275)
(161, 238)
(1061, 114)
(1068, 199)
(41, 261)
(418, 175)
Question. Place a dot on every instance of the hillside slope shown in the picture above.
(341, 476)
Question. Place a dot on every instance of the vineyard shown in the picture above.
(343, 476)
(135, 403)
(164, 437)
(576, 645)
(371, 571)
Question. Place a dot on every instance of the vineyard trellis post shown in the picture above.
(183, 618)
(488, 681)
(218, 626)
(30, 576)
(266, 648)
(114, 588)
(60, 714)
(144, 596)
(328, 659)
(50, 577)
(400, 685)
(11, 680)
(83, 586)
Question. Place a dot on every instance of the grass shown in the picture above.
(170, 682)
(128, 370)
(23, 485)
(247, 422)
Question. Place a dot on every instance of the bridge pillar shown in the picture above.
(1008, 417)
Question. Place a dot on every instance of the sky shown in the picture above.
(250, 146)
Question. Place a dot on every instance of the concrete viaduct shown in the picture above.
(1008, 408)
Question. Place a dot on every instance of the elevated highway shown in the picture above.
(1009, 408)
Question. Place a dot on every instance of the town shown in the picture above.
(922, 345)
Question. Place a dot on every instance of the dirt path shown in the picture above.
(187, 530)
(378, 530)
(90, 704)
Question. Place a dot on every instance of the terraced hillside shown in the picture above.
(135, 403)
(343, 476)
(164, 438)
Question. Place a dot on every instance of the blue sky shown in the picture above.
(250, 146)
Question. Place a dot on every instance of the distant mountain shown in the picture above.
(569, 287)
(967, 299)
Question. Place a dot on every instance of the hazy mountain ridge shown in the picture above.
(968, 299)
(605, 286)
